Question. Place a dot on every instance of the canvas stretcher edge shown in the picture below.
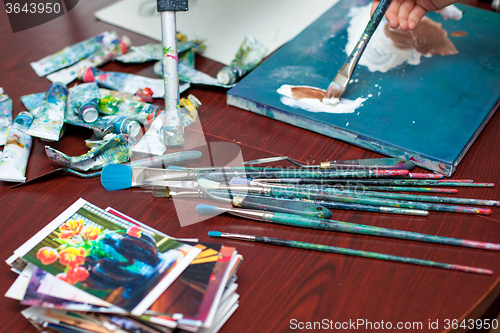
(444, 167)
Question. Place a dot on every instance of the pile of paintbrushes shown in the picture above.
(94, 270)
(302, 197)
(348, 185)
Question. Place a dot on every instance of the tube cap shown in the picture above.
(90, 115)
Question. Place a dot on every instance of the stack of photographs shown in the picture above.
(94, 270)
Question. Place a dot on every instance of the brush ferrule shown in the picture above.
(268, 217)
(237, 202)
(188, 194)
(325, 165)
(143, 175)
(238, 236)
(345, 73)
(249, 214)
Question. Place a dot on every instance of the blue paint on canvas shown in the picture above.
(430, 113)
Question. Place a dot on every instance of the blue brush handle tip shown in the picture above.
(214, 233)
(207, 209)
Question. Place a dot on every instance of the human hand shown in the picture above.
(407, 13)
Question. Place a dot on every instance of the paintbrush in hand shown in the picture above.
(351, 252)
(339, 83)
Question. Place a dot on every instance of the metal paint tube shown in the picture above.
(142, 95)
(70, 54)
(121, 94)
(32, 103)
(5, 116)
(122, 81)
(249, 55)
(85, 101)
(193, 76)
(173, 130)
(106, 54)
(125, 125)
(49, 120)
(116, 149)
(144, 113)
(150, 52)
(17, 150)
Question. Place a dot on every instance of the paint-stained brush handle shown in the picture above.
(382, 163)
(283, 206)
(346, 251)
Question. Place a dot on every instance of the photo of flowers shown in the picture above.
(113, 259)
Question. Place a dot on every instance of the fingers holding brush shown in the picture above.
(406, 14)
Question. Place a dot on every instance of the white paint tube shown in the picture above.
(49, 119)
(85, 99)
(5, 116)
(70, 54)
(17, 150)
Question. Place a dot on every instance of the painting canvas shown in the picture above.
(108, 257)
(403, 100)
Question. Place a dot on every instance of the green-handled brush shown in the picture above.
(339, 83)
(350, 252)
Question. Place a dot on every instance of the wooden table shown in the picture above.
(277, 285)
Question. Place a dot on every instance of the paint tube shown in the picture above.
(191, 76)
(70, 54)
(122, 81)
(149, 52)
(49, 120)
(249, 55)
(153, 141)
(104, 55)
(85, 100)
(126, 125)
(5, 116)
(121, 94)
(17, 150)
(114, 149)
(116, 106)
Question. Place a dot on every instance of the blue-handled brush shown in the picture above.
(339, 83)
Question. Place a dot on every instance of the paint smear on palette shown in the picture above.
(310, 99)
(458, 33)
(451, 12)
(389, 48)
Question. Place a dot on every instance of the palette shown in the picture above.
(429, 111)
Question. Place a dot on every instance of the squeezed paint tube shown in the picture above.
(122, 124)
(17, 150)
(149, 52)
(122, 81)
(115, 125)
(70, 54)
(5, 116)
(193, 76)
(142, 95)
(104, 55)
(49, 120)
(116, 149)
(153, 142)
(249, 55)
(116, 106)
(85, 101)
(121, 94)
(32, 102)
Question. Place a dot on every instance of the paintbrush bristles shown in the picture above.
(333, 93)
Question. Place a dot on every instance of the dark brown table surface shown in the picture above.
(276, 284)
